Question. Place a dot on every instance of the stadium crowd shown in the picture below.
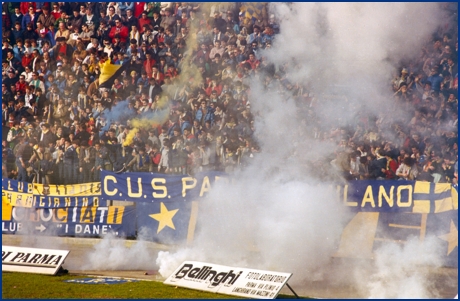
(62, 126)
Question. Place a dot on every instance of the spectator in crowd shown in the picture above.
(51, 81)
(23, 152)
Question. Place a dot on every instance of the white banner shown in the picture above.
(227, 280)
(32, 260)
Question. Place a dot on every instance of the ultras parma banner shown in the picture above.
(166, 210)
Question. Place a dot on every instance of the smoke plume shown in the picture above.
(276, 214)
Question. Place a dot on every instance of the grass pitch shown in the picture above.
(35, 286)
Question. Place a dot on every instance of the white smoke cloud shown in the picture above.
(278, 226)
(401, 270)
(113, 253)
(275, 214)
(356, 46)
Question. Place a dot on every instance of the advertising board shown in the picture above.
(32, 260)
(242, 282)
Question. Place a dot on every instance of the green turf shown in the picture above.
(34, 286)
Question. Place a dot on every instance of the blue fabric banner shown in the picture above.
(164, 222)
(70, 221)
(166, 210)
(152, 187)
(398, 196)
(50, 196)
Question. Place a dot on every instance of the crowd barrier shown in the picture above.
(165, 208)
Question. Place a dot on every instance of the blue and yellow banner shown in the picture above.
(167, 222)
(398, 196)
(396, 212)
(167, 206)
(35, 195)
(154, 187)
(253, 10)
(85, 221)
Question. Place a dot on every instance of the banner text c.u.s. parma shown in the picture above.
(153, 187)
(168, 207)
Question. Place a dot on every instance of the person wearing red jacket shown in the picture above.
(252, 61)
(171, 72)
(157, 75)
(24, 7)
(56, 12)
(26, 59)
(21, 84)
(143, 21)
(392, 166)
(149, 63)
(138, 8)
(119, 29)
(155, 155)
(213, 86)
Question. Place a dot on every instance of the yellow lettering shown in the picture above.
(67, 201)
(159, 187)
(36, 189)
(115, 214)
(139, 186)
(9, 186)
(206, 186)
(368, 197)
(87, 214)
(56, 202)
(399, 201)
(85, 202)
(30, 188)
(383, 194)
(96, 201)
(60, 217)
(113, 192)
(20, 187)
(7, 210)
(186, 185)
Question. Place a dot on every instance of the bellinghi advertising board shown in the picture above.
(227, 280)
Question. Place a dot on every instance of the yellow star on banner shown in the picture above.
(164, 217)
(451, 238)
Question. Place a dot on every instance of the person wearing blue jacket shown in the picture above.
(30, 18)
(123, 6)
(204, 113)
